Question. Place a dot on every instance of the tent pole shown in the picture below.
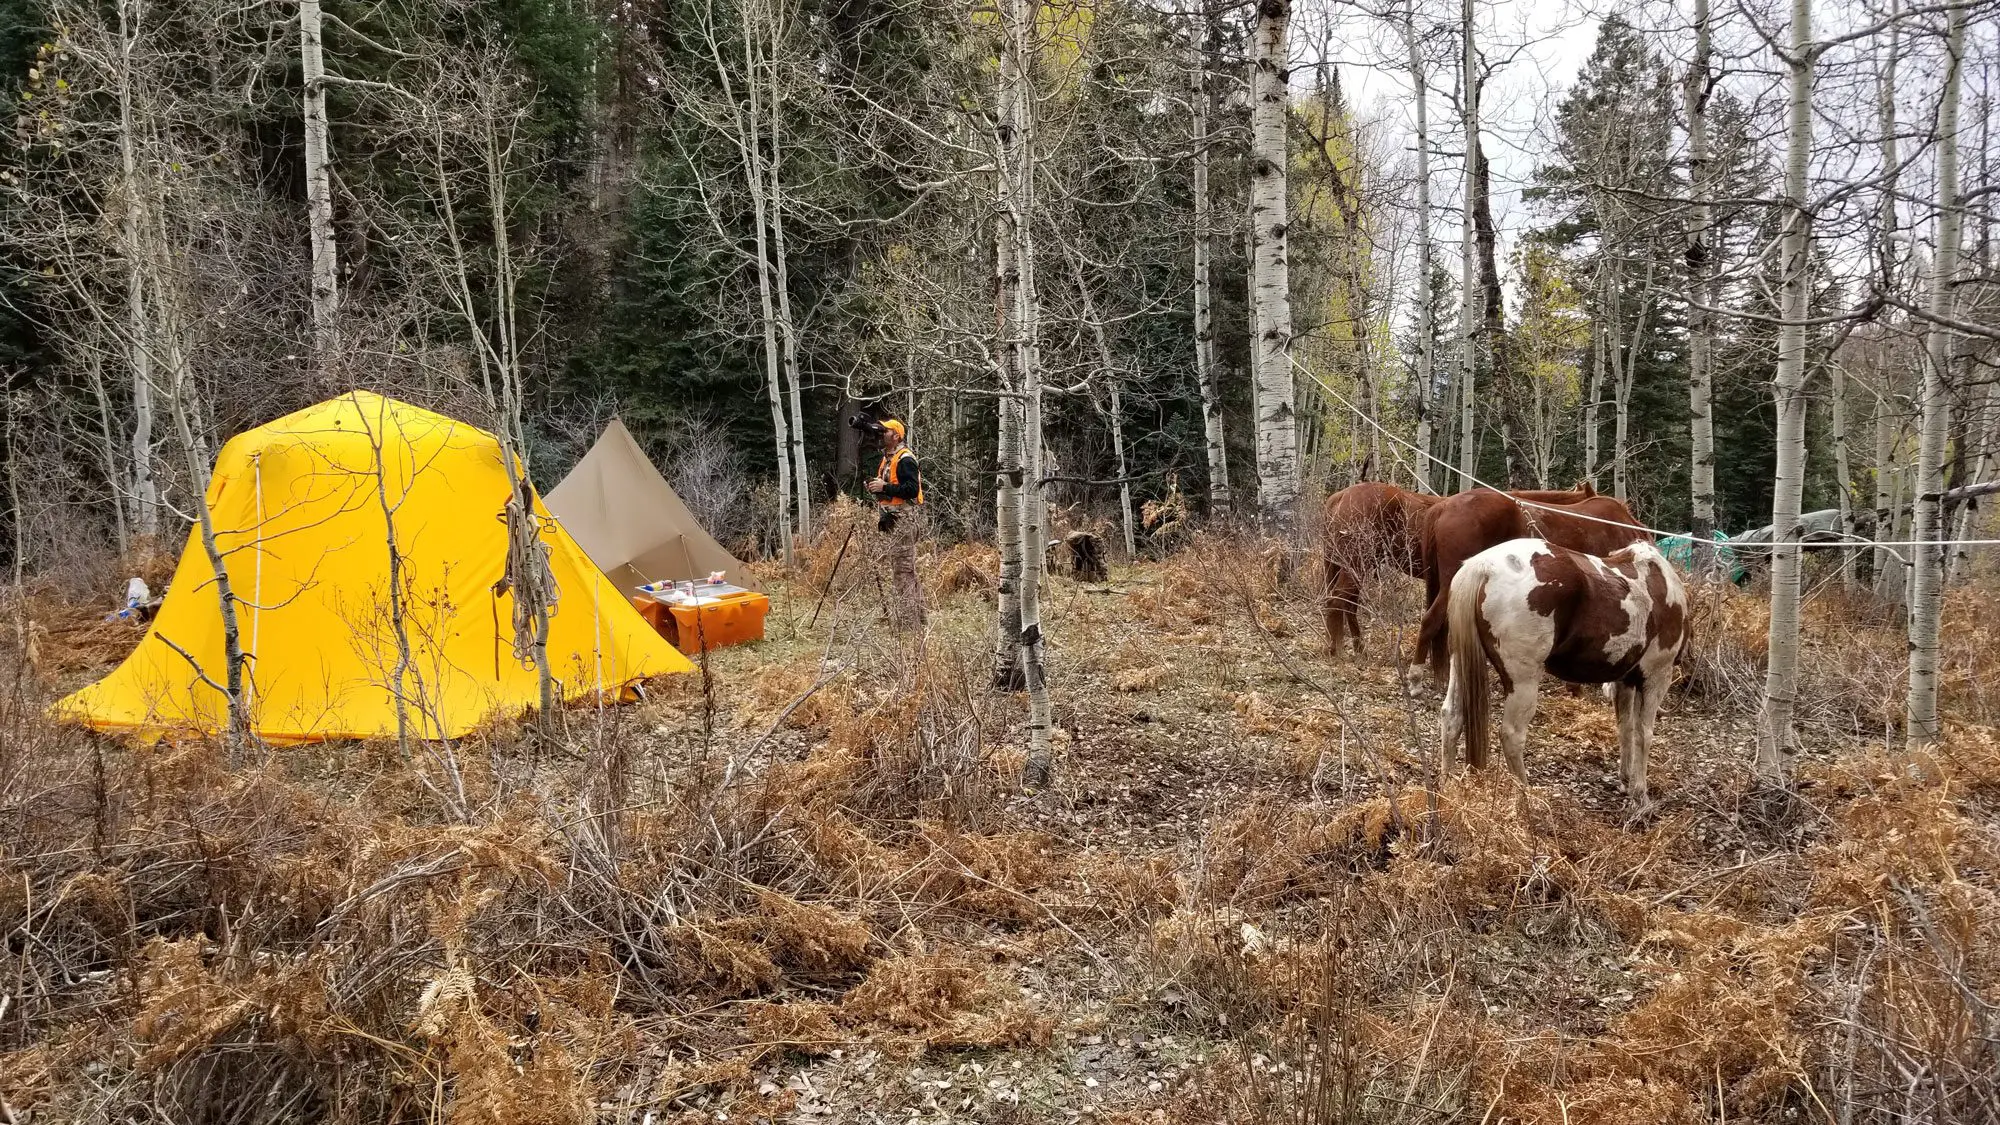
(830, 575)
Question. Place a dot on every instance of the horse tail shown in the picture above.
(1468, 661)
(1334, 606)
(1429, 644)
(1431, 634)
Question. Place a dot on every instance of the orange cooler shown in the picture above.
(728, 620)
(712, 618)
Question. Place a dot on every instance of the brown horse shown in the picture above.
(1365, 526)
(1457, 528)
(1371, 525)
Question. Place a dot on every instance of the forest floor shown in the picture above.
(805, 886)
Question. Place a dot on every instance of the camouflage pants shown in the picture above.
(905, 592)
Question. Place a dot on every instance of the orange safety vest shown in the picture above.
(887, 472)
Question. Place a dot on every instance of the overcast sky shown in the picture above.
(1536, 48)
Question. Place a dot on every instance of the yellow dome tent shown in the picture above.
(302, 509)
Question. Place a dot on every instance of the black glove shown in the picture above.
(886, 522)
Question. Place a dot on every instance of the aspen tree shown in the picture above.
(1701, 293)
(319, 189)
(1426, 315)
(1204, 301)
(1927, 581)
(1776, 738)
(1270, 273)
(1888, 568)
(1471, 300)
(137, 199)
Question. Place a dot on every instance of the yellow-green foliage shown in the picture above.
(1339, 314)
(1553, 329)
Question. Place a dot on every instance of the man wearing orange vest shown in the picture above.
(899, 496)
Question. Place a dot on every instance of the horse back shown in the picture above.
(1601, 525)
(1470, 522)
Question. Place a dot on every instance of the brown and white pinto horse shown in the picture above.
(1461, 526)
(1529, 606)
(1373, 525)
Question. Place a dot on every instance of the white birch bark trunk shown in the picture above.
(1204, 301)
(755, 178)
(1426, 315)
(1271, 297)
(1985, 252)
(1621, 420)
(1627, 372)
(773, 364)
(144, 487)
(1888, 571)
(1545, 436)
(194, 451)
(1987, 415)
(1107, 366)
(1596, 395)
(1034, 516)
(787, 329)
(1010, 339)
(319, 192)
(1446, 434)
(1885, 107)
(1124, 470)
(1472, 301)
(1007, 675)
(1906, 524)
(1620, 376)
(1927, 583)
(1776, 738)
(1701, 291)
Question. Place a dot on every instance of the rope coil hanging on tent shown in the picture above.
(528, 574)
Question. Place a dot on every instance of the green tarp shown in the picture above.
(1679, 550)
(1737, 552)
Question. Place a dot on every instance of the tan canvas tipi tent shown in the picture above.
(625, 516)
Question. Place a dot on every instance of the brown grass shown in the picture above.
(843, 868)
(962, 568)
